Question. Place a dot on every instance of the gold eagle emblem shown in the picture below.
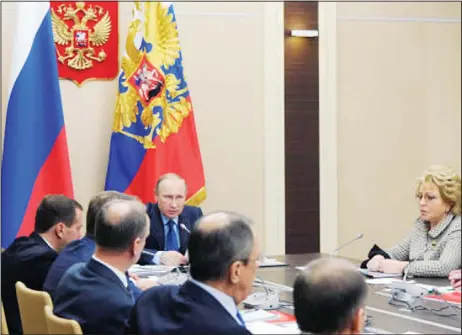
(80, 39)
(152, 100)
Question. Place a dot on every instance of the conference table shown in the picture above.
(384, 318)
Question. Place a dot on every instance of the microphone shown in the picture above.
(148, 253)
(183, 226)
(268, 299)
(358, 237)
(404, 291)
(411, 263)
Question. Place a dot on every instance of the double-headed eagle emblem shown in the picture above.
(81, 39)
(153, 96)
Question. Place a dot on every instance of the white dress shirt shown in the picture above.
(225, 300)
(117, 272)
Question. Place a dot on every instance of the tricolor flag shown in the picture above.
(35, 155)
(153, 129)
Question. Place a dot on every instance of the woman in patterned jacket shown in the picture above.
(433, 247)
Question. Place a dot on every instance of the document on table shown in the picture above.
(261, 327)
(150, 270)
(252, 315)
(373, 274)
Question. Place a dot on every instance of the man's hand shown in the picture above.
(172, 258)
(455, 278)
(392, 266)
(374, 263)
(145, 283)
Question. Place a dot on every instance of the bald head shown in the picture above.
(327, 295)
(119, 223)
(97, 202)
(217, 240)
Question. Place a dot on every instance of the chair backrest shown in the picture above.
(58, 325)
(31, 304)
(4, 325)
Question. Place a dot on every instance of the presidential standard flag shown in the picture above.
(35, 156)
(153, 130)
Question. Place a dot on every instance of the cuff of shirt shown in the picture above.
(156, 258)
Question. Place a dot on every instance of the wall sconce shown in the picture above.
(304, 33)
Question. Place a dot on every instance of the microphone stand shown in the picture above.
(358, 237)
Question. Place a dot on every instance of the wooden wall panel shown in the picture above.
(301, 129)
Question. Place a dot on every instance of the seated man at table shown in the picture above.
(329, 298)
(58, 221)
(171, 220)
(98, 294)
(223, 254)
(81, 250)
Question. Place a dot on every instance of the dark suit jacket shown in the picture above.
(156, 239)
(27, 259)
(78, 251)
(94, 296)
(186, 309)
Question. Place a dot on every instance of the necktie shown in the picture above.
(129, 288)
(241, 320)
(172, 240)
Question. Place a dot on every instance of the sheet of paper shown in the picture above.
(381, 281)
(374, 274)
(409, 332)
(260, 327)
(253, 315)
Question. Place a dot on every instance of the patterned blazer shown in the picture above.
(436, 251)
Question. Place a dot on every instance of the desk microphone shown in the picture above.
(358, 237)
(183, 226)
(405, 291)
(411, 263)
(148, 253)
(268, 299)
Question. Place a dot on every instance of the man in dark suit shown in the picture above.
(99, 294)
(223, 255)
(171, 220)
(58, 221)
(81, 250)
(329, 298)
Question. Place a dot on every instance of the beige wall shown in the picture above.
(397, 86)
(389, 107)
(233, 59)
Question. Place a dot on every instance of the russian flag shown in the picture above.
(35, 155)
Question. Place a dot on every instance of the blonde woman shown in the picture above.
(433, 247)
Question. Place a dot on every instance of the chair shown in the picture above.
(4, 325)
(58, 325)
(31, 304)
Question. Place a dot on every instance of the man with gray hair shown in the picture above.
(329, 298)
(223, 255)
(99, 294)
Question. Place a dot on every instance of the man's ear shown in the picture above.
(135, 248)
(358, 321)
(59, 230)
(235, 270)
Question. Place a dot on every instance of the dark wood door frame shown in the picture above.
(301, 73)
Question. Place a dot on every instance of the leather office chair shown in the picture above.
(31, 309)
(4, 325)
(58, 325)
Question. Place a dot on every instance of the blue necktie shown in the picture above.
(241, 320)
(172, 241)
